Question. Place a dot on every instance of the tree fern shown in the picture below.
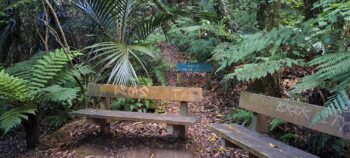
(36, 87)
(14, 117)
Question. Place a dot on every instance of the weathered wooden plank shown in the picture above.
(193, 67)
(135, 116)
(257, 144)
(145, 92)
(297, 113)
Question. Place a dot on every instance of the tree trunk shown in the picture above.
(31, 127)
(309, 10)
(268, 14)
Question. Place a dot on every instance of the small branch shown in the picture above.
(65, 43)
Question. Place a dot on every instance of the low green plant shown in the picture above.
(139, 105)
(242, 116)
(275, 123)
(326, 145)
(288, 138)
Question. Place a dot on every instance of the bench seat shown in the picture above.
(257, 144)
(135, 116)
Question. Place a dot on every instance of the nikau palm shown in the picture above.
(122, 22)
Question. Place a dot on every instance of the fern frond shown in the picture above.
(275, 123)
(59, 94)
(13, 88)
(14, 117)
(335, 105)
(47, 67)
(22, 70)
(242, 116)
(333, 67)
(160, 71)
(255, 70)
(308, 82)
(262, 44)
(79, 71)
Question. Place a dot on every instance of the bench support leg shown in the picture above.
(252, 156)
(179, 130)
(103, 123)
(262, 122)
(227, 143)
(184, 108)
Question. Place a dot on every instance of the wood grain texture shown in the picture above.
(257, 144)
(262, 122)
(135, 116)
(144, 92)
(297, 113)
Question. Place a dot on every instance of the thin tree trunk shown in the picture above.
(65, 43)
(309, 10)
(268, 14)
(31, 127)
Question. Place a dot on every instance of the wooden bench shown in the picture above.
(176, 123)
(258, 144)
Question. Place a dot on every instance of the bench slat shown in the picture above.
(146, 92)
(135, 116)
(296, 112)
(256, 143)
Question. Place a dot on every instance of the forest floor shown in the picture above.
(139, 139)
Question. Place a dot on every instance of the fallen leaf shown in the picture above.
(273, 145)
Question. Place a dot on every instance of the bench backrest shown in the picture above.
(180, 94)
(193, 67)
(297, 113)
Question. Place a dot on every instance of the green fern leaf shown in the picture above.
(335, 105)
(13, 88)
(49, 66)
(59, 94)
(14, 117)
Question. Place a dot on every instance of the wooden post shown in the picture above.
(208, 81)
(227, 143)
(103, 123)
(107, 103)
(184, 108)
(180, 130)
(262, 123)
(178, 79)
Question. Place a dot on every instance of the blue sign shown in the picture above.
(200, 67)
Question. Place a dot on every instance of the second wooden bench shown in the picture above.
(258, 144)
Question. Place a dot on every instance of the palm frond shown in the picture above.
(117, 57)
